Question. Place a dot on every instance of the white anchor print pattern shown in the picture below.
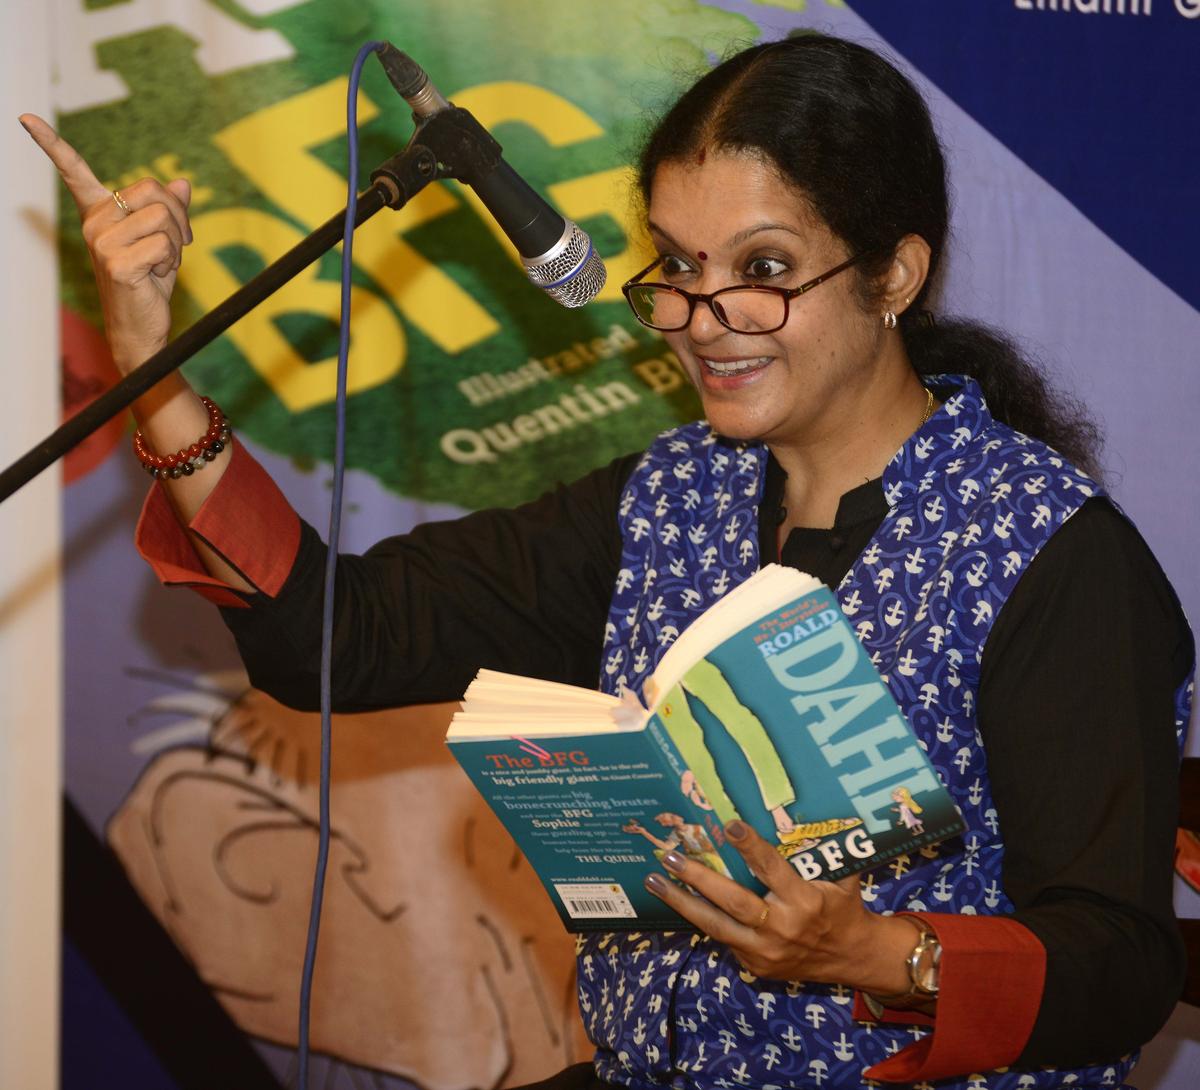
(971, 503)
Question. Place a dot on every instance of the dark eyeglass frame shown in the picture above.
(694, 297)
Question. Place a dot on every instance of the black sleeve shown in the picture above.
(524, 590)
(1077, 718)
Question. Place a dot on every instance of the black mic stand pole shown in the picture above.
(450, 144)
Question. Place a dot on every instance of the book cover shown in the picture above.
(788, 726)
(782, 722)
(579, 811)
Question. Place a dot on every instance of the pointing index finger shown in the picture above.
(83, 185)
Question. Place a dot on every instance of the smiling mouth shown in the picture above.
(729, 368)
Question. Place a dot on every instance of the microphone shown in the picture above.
(558, 257)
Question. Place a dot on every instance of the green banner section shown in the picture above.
(467, 385)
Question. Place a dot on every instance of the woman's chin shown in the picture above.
(737, 428)
(732, 417)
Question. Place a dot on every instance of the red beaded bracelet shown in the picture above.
(185, 462)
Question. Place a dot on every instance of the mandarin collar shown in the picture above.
(862, 502)
(962, 417)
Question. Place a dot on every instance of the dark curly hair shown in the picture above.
(854, 136)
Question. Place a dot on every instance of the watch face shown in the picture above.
(926, 964)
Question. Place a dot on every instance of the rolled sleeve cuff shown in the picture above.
(993, 970)
(246, 520)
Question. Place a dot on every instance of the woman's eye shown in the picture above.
(766, 268)
(675, 268)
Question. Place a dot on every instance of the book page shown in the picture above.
(499, 705)
(520, 722)
(492, 684)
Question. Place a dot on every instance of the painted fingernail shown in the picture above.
(736, 830)
(674, 861)
(656, 883)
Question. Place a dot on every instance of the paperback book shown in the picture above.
(764, 709)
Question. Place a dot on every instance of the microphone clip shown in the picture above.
(447, 144)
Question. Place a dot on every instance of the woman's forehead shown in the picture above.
(725, 199)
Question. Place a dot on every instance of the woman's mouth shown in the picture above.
(734, 368)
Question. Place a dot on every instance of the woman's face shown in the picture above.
(731, 219)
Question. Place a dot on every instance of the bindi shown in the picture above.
(702, 255)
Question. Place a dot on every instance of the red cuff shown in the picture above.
(990, 988)
(245, 519)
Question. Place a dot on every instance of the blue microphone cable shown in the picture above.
(335, 522)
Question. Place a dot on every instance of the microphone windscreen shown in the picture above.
(571, 272)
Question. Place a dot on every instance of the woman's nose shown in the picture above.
(704, 326)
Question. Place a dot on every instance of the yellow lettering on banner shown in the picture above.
(272, 148)
(300, 385)
(660, 375)
(164, 168)
(560, 123)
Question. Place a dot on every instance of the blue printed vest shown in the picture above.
(971, 503)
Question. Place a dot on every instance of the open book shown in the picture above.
(764, 709)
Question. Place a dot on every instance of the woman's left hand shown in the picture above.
(799, 930)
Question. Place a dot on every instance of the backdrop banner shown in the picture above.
(1073, 151)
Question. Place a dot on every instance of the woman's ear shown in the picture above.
(906, 276)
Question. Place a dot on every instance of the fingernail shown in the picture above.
(674, 861)
(656, 883)
(736, 830)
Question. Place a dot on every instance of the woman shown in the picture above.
(844, 437)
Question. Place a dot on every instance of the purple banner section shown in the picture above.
(1096, 96)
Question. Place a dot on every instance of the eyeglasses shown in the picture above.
(748, 308)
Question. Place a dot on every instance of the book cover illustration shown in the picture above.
(811, 749)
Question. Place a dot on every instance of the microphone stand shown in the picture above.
(449, 144)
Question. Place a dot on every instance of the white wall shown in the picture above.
(30, 674)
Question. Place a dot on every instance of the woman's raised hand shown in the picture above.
(136, 239)
(136, 244)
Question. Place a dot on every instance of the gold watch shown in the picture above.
(924, 968)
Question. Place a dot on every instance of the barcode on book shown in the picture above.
(594, 900)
